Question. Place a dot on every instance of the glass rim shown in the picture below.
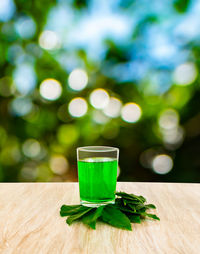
(97, 149)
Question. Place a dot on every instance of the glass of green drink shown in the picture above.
(97, 174)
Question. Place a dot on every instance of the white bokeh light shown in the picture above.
(24, 78)
(162, 164)
(131, 112)
(78, 107)
(78, 79)
(28, 172)
(99, 117)
(185, 74)
(31, 148)
(21, 106)
(25, 27)
(147, 156)
(50, 89)
(168, 119)
(59, 164)
(174, 136)
(113, 108)
(99, 98)
(7, 9)
(49, 40)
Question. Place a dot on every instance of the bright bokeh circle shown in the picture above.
(131, 112)
(99, 98)
(78, 79)
(78, 107)
(50, 89)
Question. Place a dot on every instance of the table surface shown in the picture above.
(30, 221)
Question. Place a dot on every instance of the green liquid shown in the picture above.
(97, 179)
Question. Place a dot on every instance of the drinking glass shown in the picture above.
(97, 174)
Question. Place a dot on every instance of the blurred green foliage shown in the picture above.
(144, 55)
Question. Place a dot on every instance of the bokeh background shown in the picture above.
(119, 73)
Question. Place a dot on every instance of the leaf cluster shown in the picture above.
(128, 208)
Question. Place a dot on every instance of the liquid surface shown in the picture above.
(97, 179)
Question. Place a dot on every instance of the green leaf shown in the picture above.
(78, 215)
(91, 217)
(124, 201)
(119, 204)
(142, 198)
(125, 209)
(150, 206)
(133, 202)
(115, 218)
(131, 196)
(120, 201)
(66, 210)
(153, 216)
(134, 218)
(132, 207)
(142, 208)
(67, 207)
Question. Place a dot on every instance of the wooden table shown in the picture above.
(30, 221)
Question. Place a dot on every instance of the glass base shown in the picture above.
(96, 204)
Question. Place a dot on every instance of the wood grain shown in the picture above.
(30, 221)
